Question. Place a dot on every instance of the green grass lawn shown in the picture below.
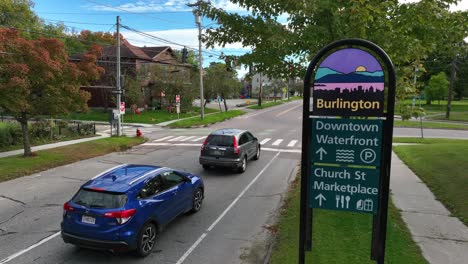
(443, 166)
(341, 237)
(146, 117)
(459, 111)
(209, 119)
(429, 124)
(17, 166)
(419, 140)
(266, 105)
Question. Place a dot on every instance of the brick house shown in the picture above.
(133, 59)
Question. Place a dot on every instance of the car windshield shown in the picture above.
(220, 140)
(98, 199)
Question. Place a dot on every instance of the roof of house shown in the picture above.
(127, 50)
(154, 51)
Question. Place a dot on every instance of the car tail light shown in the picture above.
(121, 216)
(234, 143)
(204, 143)
(67, 208)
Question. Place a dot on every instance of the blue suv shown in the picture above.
(125, 207)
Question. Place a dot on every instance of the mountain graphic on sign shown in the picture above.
(352, 77)
(324, 71)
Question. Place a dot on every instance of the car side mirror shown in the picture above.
(187, 179)
(255, 139)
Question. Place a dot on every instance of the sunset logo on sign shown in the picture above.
(349, 82)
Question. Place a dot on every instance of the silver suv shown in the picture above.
(229, 147)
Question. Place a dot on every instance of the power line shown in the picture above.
(122, 9)
(74, 22)
(57, 36)
(165, 40)
(113, 14)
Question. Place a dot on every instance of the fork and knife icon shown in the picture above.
(341, 199)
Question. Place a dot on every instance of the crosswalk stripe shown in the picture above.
(265, 141)
(187, 138)
(277, 142)
(197, 139)
(177, 138)
(162, 139)
(292, 143)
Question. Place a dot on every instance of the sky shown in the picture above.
(171, 20)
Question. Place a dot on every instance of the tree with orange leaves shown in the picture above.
(36, 78)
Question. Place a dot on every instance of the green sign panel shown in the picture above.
(344, 189)
(346, 141)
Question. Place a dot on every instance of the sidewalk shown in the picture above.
(442, 238)
(52, 145)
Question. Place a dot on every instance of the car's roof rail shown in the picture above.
(146, 174)
(111, 169)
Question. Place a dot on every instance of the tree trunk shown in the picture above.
(24, 127)
(225, 104)
(206, 101)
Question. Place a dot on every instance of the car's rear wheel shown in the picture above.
(197, 200)
(146, 240)
(257, 155)
(206, 167)
(243, 166)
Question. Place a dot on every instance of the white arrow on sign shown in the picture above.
(321, 198)
(321, 151)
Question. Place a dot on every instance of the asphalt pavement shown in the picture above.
(231, 226)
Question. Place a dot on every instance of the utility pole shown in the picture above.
(117, 79)
(420, 114)
(453, 75)
(200, 58)
(260, 91)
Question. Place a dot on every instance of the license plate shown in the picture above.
(88, 219)
(217, 152)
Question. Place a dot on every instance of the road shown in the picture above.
(230, 228)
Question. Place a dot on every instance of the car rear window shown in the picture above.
(99, 199)
(220, 140)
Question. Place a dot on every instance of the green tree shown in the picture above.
(437, 88)
(221, 81)
(408, 32)
(36, 78)
(18, 14)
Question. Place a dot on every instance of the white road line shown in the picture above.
(199, 138)
(17, 254)
(277, 142)
(200, 239)
(198, 145)
(292, 143)
(187, 138)
(177, 138)
(287, 110)
(265, 141)
(162, 139)
(156, 144)
(282, 150)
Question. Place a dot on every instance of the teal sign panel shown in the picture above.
(344, 189)
(346, 141)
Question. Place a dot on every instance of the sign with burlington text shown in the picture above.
(347, 128)
(349, 82)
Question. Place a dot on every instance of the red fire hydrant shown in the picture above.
(138, 133)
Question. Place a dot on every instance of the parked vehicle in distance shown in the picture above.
(229, 147)
(124, 208)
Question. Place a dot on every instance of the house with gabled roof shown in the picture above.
(132, 59)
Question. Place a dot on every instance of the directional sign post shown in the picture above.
(349, 97)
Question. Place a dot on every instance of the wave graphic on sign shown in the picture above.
(345, 155)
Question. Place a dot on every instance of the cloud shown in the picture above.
(142, 6)
(187, 37)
